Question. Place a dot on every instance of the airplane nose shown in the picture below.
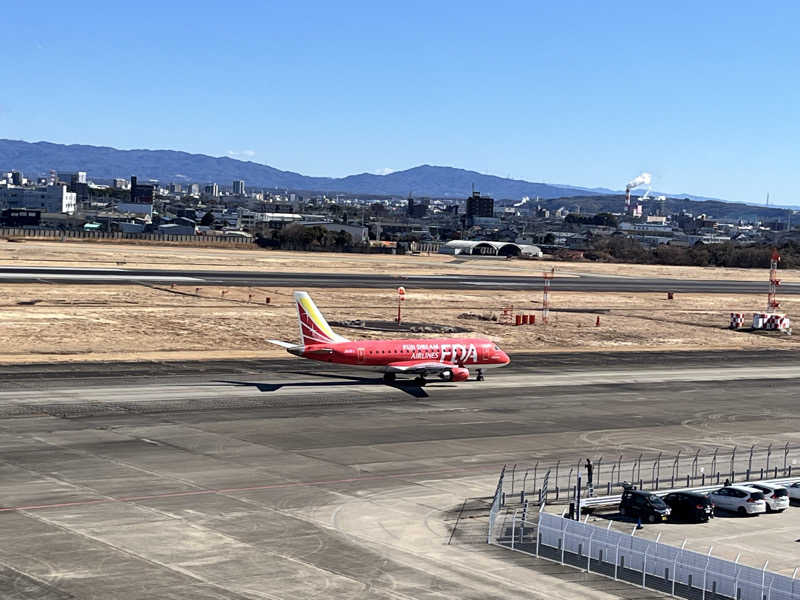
(504, 359)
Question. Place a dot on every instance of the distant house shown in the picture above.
(175, 229)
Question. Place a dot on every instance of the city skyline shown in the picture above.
(575, 95)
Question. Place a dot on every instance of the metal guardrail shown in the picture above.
(644, 563)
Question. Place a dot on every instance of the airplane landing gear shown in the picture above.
(479, 376)
(420, 380)
(389, 377)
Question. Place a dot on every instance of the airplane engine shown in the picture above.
(455, 374)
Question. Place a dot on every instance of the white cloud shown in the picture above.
(241, 153)
(384, 171)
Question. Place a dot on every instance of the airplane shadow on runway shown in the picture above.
(410, 388)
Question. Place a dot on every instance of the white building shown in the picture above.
(238, 187)
(48, 199)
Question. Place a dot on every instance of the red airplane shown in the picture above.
(449, 358)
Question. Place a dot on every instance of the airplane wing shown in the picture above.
(418, 367)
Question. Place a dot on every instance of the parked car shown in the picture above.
(740, 499)
(794, 491)
(689, 506)
(643, 505)
(776, 496)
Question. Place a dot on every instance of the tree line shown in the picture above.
(298, 237)
(725, 254)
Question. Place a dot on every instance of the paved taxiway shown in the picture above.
(578, 283)
(286, 479)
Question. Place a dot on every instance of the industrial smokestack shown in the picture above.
(627, 196)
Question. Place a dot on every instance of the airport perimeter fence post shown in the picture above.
(653, 476)
(619, 466)
(769, 454)
(597, 468)
(785, 457)
(639, 467)
(714, 461)
(694, 463)
(513, 528)
(675, 467)
(569, 479)
(733, 462)
(750, 461)
(524, 481)
(558, 462)
(513, 473)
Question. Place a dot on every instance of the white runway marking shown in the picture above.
(35, 269)
(98, 277)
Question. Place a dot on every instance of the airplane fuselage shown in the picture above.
(380, 354)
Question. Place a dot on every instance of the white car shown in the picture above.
(794, 491)
(740, 499)
(776, 496)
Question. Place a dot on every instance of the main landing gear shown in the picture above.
(479, 376)
(389, 377)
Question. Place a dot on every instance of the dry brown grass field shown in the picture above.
(120, 322)
(81, 254)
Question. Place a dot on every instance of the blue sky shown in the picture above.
(702, 95)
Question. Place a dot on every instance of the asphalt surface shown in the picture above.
(587, 283)
(289, 479)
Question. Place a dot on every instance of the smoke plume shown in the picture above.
(643, 179)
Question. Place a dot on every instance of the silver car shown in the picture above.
(794, 491)
(776, 496)
(739, 499)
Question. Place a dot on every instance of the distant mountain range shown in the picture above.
(104, 163)
(169, 165)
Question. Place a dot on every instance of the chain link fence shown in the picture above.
(556, 482)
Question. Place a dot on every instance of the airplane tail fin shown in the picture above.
(314, 329)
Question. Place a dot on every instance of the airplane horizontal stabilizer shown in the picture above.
(282, 344)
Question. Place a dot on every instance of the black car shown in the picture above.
(643, 505)
(689, 506)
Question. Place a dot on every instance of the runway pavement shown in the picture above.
(286, 479)
(588, 283)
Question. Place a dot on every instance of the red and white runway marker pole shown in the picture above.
(401, 295)
(546, 296)
(774, 282)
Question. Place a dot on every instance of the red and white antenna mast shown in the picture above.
(774, 282)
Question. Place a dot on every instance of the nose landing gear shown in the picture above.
(479, 376)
